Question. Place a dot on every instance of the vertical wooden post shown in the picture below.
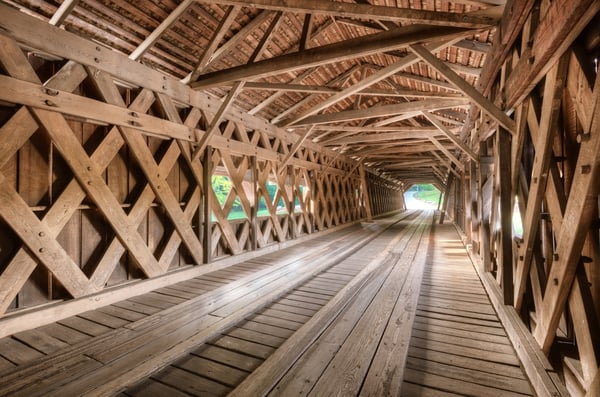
(313, 200)
(367, 200)
(207, 178)
(467, 202)
(292, 204)
(255, 201)
(503, 143)
(474, 207)
(446, 197)
(484, 237)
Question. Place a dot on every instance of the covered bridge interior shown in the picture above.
(207, 197)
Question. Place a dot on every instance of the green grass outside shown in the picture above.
(428, 196)
(242, 215)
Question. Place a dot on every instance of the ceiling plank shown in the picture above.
(385, 110)
(485, 104)
(478, 19)
(340, 51)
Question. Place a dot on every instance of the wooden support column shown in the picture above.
(366, 198)
(255, 200)
(206, 194)
(475, 205)
(291, 201)
(444, 208)
(503, 145)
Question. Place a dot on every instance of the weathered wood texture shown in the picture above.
(547, 76)
(101, 185)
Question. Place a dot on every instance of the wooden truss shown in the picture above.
(122, 173)
(548, 169)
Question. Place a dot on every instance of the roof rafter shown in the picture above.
(479, 19)
(348, 49)
(385, 110)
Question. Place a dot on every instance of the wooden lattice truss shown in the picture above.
(548, 167)
(128, 154)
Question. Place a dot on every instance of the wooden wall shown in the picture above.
(106, 168)
(548, 168)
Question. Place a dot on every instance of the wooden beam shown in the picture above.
(434, 120)
(448, 154)
(162, 28)
(570, 239)
(213, 43)
(514, 18)
(370, 80)
(44, 37)
(384, 110)
(485, 104)
(479, 19)
(594, 389)
(295, 147)
(365, 189)
(277, 95)
(549, 42)
(348, 49)
(505, 257)
(539, 174)
(473, 45)
(63, 12)
(216, 120)
(239, 36)
(157, 180)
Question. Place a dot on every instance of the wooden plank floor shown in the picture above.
(458, 346)
(294, 322)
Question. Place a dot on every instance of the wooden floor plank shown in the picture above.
(71, 371)
(480, 336)
(65, 334)
(496, 381)
(137, 307)
(122, 313)
(269, 334)
(104, 319)
(244, 346)
(40, 341)
(228, 357)
(298, 303)
(286, 315)
(213, 370)
(190, 383)
(85, 326)
(258, 337)
(153, 388)
(292, 309)
(454, 386)
(5, 364)
(483, 346)
(412, 390)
